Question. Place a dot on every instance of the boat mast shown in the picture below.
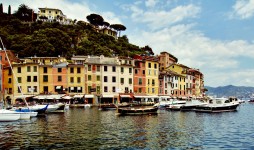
(13, 71)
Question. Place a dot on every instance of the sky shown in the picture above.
(214, 36)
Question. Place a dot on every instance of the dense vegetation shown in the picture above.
(28, 38)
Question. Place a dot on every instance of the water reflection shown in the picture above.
(94, 129)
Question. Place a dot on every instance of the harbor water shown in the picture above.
(94, 129)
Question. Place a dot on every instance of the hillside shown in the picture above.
(53, 39)
(230, 90)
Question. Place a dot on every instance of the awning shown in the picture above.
(78, 96)
(67, 97)
(107, 96)
(58, 87)
(146, 96)
(89, 96)
(23, 96)
(58, 96)
(125, 96)
(165, 96)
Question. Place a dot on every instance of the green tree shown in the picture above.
(148, 50)
(95, 19)
(118, 27)
(1, 9)
(9, 10)
(24, 13)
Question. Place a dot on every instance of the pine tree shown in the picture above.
(9, 10)
(1, 8)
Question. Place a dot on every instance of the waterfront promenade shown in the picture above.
(93, 129)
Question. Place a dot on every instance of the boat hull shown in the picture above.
(137, 111)
(224, 108)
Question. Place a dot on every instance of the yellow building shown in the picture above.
(51, 15)
(179, 82)
(152, 75)
(76, 80)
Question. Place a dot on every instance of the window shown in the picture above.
(153, 90)
(35, 88)
(89, 68)
(45, 70)
(59, 69)
(9, 72)
(9, 80)
(155, 72)
(148, 81)
(122, 80)
(144, 72)
(140, 90)
(98, 89)
(71, 70)
(28, 68)
(98, 78)
(19, 79)
(45, 78)
(72, 80)
(153, 82)
(130, 70)
(35, 79)
(105, 68)
(19, 89)
(59, 78)
(49, 11)
(130, 80)
(89, 77)
(113, 68)
(105, 79)
(35, 68)
(78, 79)
(29, 90)
(122, 70)
(136, 71)
(149, 72)
(126, 90)
(113, 89)
(19, 69)
(89, 89)
(28, 79)
(98, 68)
(105, 89)
(140, 81)
(155, 66)
(149, 65)
(113, 79)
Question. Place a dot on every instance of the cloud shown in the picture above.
(156, 19)
(243, 9)
(217, 59)
(151, 3)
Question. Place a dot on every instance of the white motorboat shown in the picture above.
(7, 115)
(192, 104)
(164, 101)
(219, 105)
(176, 105)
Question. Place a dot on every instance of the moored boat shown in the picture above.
(137, 110)
(219, 105)
(7, 115)
(191, 105)
(109, 106)
(176, 105)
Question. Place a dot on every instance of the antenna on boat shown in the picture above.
(4, 49)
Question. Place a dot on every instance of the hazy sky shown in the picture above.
(215, 36)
